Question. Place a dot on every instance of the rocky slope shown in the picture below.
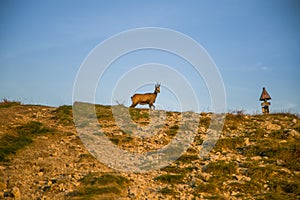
(42, 157)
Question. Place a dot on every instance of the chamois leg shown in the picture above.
(133, 105)
(151, 105)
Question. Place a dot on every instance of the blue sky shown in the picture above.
(254, 44)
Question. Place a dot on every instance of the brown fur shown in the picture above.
(148, 98)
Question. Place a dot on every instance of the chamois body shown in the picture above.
(148, 98)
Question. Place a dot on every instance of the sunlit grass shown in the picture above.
(10, 144)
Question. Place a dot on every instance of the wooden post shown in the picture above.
(265, 104)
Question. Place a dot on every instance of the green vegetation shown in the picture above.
(187, 158)
(232, 121)
(287, 152)
(95, 186)
(64, 115)
(229, 143)
(118, 140)
(178, 170)
(221, 168)
(104, 113)
(204, 122)
(206, 187)
(139, 114)
(168, 191)
(170, 178)
(10, 144)
(172, 131)
(6, 103)
(106, 179)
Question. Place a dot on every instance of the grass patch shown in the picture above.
(198, 140)
(204, 122)
(284, 186)
(106, 179)
(10, 144)
(138, 114)
(221, 168)
(95, 186)
(170, 178)
(288, 152)
(178, 170)
(168, 191)
(280, 134)
(6, 103)
(249, 187)
(117, 140)
(187, 158)
(232, 121)
(64, 115)
(207, 188)
(172, 131)
(104, 113)
(229, 143)
(89, 192)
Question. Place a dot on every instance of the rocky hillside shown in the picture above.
(41, 157)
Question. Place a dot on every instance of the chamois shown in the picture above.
(148, 98)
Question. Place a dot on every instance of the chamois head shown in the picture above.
(157, 88)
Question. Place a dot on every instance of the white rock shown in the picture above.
(273, 127)
(256, 158)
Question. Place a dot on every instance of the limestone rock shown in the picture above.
(16, 193)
